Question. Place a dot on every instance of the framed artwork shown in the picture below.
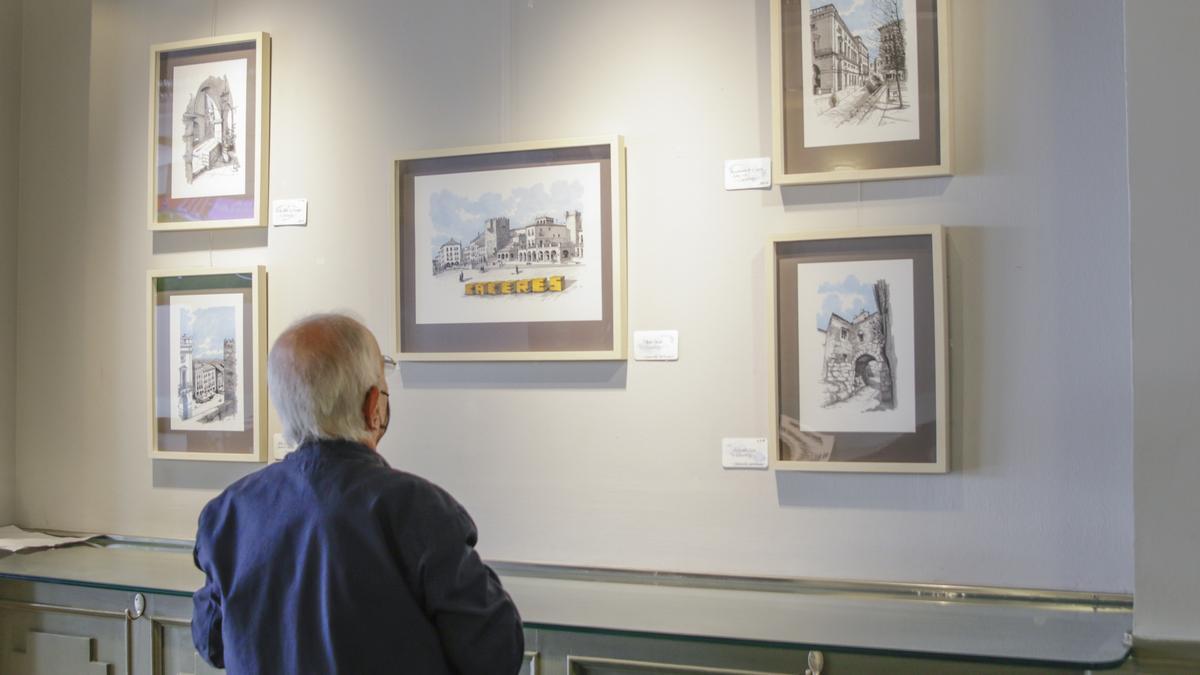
(860, 90)
(513, 252)
(859, 338)
(209, 129)
(207, 367)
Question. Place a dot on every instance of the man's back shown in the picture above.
(330, 561)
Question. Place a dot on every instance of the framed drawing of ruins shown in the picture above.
(207, 337)
(860, 90)
(859, 336)
(209, 119)
(513, 252)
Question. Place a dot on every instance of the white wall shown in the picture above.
(1040, 494)
(1164, 202)
(10, 120)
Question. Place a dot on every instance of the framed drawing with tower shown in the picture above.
(207, 337)
(860, 351)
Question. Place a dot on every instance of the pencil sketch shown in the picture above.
(861, 84)
(210, 126)
(858, 356)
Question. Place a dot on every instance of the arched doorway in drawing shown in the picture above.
(210, 139)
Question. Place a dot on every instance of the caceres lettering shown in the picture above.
(553, 284)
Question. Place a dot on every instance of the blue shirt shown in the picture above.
(331, 562)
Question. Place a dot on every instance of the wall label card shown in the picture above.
(748, 174)
(656, 345)
(744, 453)
(289, 212)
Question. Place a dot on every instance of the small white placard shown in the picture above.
(744, 453)
(656, 345)
(281, 448)
(289, 212)
(748, 174)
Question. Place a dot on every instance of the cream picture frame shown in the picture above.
(596, 331)
(244, 290)
(926, 448)
(219, 180)
(931, 154)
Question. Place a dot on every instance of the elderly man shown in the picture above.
(330, 561)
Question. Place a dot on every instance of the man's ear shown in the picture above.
(370, 410)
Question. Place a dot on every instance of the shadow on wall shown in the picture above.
(173, 473)
(518, 375)
(870, 491)
(191, 241)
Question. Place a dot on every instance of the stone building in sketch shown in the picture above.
(840, 58)
(858, 355)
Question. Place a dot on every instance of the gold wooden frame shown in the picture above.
(619, 289)
(262, 125)
(936, 233)
(258, 345)
(944, 167)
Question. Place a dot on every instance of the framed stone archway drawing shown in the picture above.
(859, 351)
(209, 129)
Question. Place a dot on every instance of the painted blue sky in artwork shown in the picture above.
(858, 15)
(846, 298)
(457, 216)
(209, 327)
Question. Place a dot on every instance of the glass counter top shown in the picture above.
(1071, 629)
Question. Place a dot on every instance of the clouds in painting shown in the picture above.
(209, 328)
(846, 298)
(461, 217)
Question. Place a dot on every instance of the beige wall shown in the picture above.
(1163, 204)
(10, 120)
(615, 464)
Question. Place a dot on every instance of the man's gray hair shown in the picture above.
(319, 372)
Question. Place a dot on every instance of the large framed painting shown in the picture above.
(860, 351)
(513, 252)
(207, 379)
(860, 90)
(209, 128)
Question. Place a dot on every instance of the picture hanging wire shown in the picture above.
(214, 19)
(210, 249)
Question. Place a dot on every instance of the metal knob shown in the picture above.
(139, 607)
(816, 662)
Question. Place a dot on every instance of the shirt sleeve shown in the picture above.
(206, 607)
(477, 622)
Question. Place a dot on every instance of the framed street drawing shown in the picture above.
(860, 90)
(207, 380)
(513, 252)
(209, 119)
(860, 351)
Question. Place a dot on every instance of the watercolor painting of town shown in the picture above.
(509, 245)
(206, 338)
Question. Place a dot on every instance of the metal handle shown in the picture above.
(816, 662)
